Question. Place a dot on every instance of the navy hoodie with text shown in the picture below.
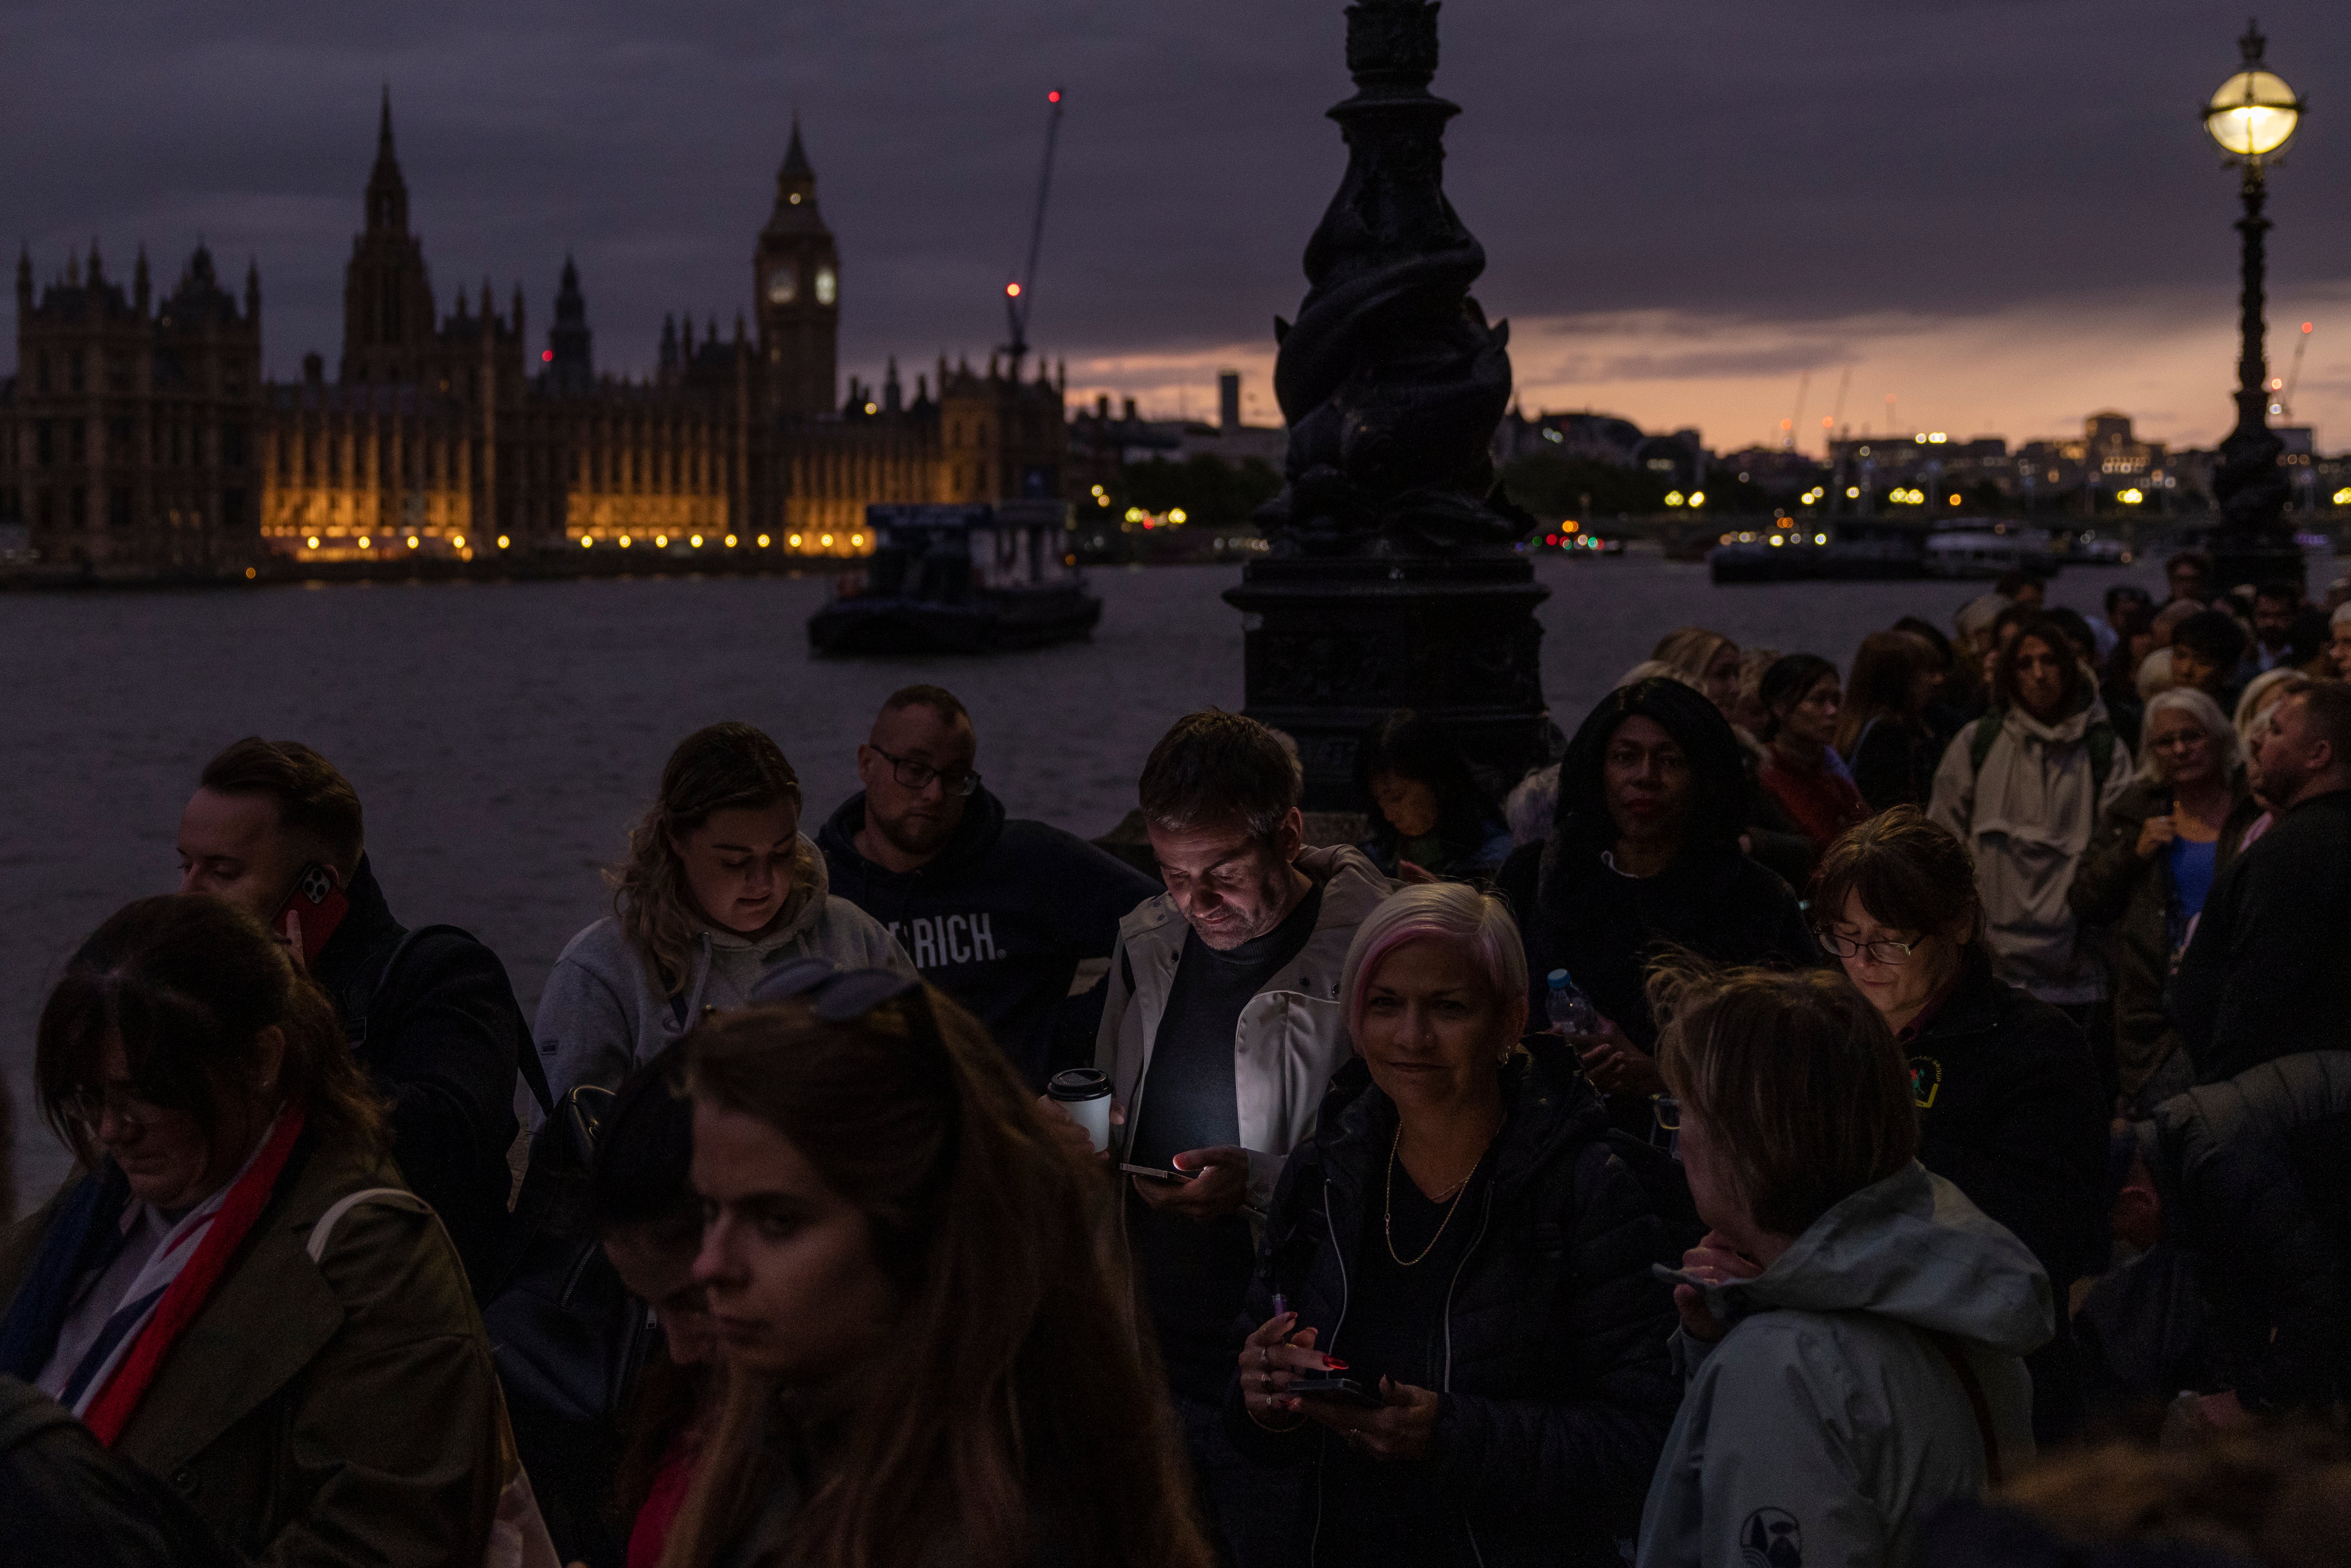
(999, 920)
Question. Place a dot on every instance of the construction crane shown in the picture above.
(1019, 290)
(2286, 401)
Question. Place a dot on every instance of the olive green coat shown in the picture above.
(338, 1412)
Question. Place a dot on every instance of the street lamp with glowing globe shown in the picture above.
(2252, 116)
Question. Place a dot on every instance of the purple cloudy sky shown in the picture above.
(2003, 214)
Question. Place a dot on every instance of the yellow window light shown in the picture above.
(730, 541)
(826, 542)
(794, 541)
(1176, 514)
(696, 541)
(1697, 498)
(586, 542)
(763, 541)
(1673, 497)
(366, 543)
(857, 540)
(457, 539)
(624, 541)
(313, 542)
(411, 542)
(502, 541)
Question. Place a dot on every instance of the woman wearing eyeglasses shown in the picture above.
(931, 1355)
(1465, 1243)
(239, 1296)
(2009, 1106)
(719, 884)
(2147, 871)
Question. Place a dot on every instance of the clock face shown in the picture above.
(783, 285)
(826, 286)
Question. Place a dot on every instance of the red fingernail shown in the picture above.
(1334, 1363)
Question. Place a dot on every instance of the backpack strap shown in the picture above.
(527, 1061)
(1978, 1405)
(398, 1197)
(2101, 739)
(1980, 738)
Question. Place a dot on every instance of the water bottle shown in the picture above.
(1569, 1007)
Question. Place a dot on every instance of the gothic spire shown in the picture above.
(796, 162)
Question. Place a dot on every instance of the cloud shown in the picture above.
(1752, 183)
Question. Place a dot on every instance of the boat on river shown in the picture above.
(949, 578)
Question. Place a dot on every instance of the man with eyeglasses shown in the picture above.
(1000, 913)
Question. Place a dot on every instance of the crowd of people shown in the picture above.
(1833, 1115)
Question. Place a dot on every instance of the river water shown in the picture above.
(504, 735)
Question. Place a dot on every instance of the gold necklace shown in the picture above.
(1459, 1189)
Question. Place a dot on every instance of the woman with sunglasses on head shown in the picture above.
(2146, 873)
(930, 1350)
(239, 1295)
(719, 884)
(1464, 1242)
(2009, 1107)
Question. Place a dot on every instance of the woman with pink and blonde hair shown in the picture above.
(1460, 1262)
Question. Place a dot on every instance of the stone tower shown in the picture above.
(571, 367)
(388, 326)
(796, 284)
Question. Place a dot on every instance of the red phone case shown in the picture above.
(322, 904)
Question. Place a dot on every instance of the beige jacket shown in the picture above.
(2027, 816)
(1291, 1038)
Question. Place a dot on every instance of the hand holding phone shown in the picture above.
(314, 906)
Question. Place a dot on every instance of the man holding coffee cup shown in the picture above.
(1221, 1028)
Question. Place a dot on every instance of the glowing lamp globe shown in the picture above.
(2253, 114)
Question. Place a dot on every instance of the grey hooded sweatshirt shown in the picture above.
(1829, 1420)
(604, 1012)
(2027, 815)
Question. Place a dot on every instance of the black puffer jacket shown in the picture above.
(2254, 1175)
(2009, 1111)
(1560, 1387)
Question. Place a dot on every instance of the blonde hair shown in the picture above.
(1451, 912)
(2260, 694)
(726, 767)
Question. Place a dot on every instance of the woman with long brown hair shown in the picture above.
(239, 1295)
(719, 884)
(1882, 731)
(930, 1346)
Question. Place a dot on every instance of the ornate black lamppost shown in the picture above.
(1394, 579)
(2252, 117)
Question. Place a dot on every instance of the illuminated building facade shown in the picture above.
(141, 439)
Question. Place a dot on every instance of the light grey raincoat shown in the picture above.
(1818, 1431)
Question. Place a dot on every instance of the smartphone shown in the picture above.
(1156, 1173)
(319, 900)
(1332, 1386)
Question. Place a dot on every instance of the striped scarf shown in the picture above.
(106, 1385)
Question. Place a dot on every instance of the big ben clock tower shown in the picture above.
(796, 279)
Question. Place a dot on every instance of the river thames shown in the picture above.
(503, 736)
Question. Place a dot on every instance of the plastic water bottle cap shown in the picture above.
(1559, 980)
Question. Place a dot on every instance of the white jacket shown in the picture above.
(1291, 1038)
(2027, 815)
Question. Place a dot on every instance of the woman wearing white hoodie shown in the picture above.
(1852, 1327)
(719, 884)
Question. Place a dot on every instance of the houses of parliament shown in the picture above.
(138, 437)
